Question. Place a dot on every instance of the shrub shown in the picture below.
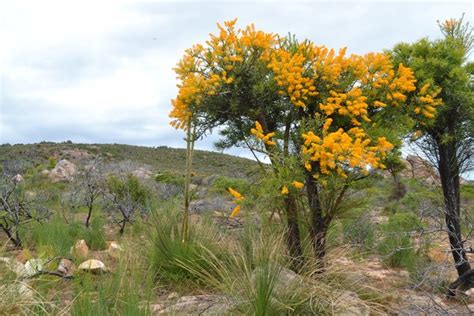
(51, 163)
(221, 185)
(126, 196)
(396, 244)
(169, 178)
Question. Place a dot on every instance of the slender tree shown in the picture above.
(448, 141)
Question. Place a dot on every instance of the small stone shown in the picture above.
(114, 249)
(155, 308)
(17, 178)
(470, 292)
(93, 266)
(172, 296)
(80, 249)
(32, 267)
(65, 267)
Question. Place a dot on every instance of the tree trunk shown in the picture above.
(89, 214)
(319, 226)
(122, 227)
(293, 237)
(15, 240)
(399, 189)
(449, 175)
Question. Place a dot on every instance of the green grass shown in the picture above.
(56, 237)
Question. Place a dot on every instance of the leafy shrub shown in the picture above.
(126, 197)
(396, 244)
(51, 163)
(221, 185)
(169, 178)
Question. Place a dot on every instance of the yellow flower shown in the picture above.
(297, 184)
(284, 190)
(236, 194)
(235, 211)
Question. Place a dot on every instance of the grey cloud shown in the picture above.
(167, 28)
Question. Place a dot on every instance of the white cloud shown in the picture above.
(101, 71)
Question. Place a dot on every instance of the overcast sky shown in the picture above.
(101, 72)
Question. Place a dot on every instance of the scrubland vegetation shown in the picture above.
(241, 263)
(337, 223)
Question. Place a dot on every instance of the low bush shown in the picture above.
(396, 244)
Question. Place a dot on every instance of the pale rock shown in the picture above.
(114, 249)
(156, 308)
(218, 203)
(80, 249)
(142, 173)
(93, 266)
(66, 267)
(349, 303)
(32, 267)
(76, 154)
(63, 171)
(16, 267)
(285, 280)
(470, 293)
(200, 305)
(422, 169)
(17, 178)
(172, 296)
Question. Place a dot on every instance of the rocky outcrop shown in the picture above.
(348, 303)
(63, 171)
(417, 167)
(76, 154)
(142, 173)
(217, 203)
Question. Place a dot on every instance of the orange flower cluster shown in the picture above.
(427, 102)
(288, 72)
(341, 150)
(258, 132)
(296, 184)
(203, 70)
(237, 198)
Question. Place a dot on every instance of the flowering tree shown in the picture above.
(294, 100)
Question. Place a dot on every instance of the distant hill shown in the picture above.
(159, 159)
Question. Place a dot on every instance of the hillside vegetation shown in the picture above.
(160, 159)
(384, 255)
